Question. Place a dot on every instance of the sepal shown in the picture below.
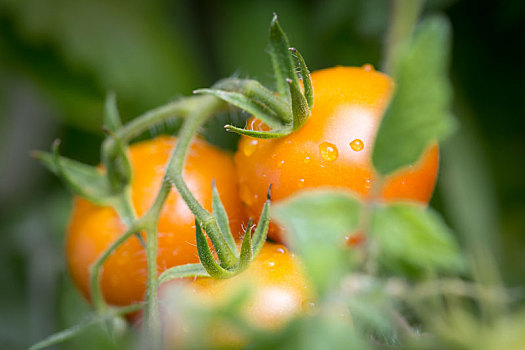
(284, 111)
(85, 180)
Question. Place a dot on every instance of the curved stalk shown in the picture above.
(174, 174)
(94, 270)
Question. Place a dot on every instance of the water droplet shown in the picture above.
(368, 67)
(270, 264)
(280, 164)
(307, 160)
(357, 145)
(329, 151)
(300, 183)
(249, 147)
(280, 250)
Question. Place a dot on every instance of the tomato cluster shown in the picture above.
(332, 149)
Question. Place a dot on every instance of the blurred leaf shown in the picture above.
(419, 111)
(111, 117)
(410, 236)
(460, 329)
(370, 308)
(317, 223)
(83, 179)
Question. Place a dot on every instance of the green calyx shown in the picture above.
(232, 260)
(284, 110)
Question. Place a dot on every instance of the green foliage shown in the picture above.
(413, 238)
(419, 112)
(317, 223)
(85, 180)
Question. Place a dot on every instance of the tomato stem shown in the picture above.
(175, 166)
(403, 18)
(94, 270)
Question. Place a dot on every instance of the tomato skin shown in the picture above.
(93, 228)
(278, 290)
(333, 148)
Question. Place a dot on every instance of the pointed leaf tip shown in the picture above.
(269, 193)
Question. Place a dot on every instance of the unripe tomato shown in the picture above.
(93, 228)
(333, 148)
(277, 291)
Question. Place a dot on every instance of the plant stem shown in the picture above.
(403, 18)
(95, 290)
(174, 174)
(179, 108)
(198, 109)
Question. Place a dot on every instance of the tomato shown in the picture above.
(277, 291)
(333, 148)
(93, 228)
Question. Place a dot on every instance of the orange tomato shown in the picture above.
(277, 291)
(333, 148)
(93, 228)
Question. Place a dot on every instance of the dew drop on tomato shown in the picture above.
(357, 145)
(329, 151)
(269, 264)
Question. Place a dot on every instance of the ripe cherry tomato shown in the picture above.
(93, 228)
(277, 291)
(333, 148)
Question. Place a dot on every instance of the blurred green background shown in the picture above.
(58, 58)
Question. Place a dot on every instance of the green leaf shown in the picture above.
(112, 119)
(411, 237)
(316, 223)
(307, 80)
(206, 256)
(243, 102)
(246, 249)
(318, 216)
(300, 109)
(222, 218)
(84, 180)
(419, 112)
(260, 94)
(282, 62)
(115, 159)
(259, 237)
(275, 133)
(182, 271)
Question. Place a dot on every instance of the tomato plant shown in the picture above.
(93, 228)
(333, 148)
